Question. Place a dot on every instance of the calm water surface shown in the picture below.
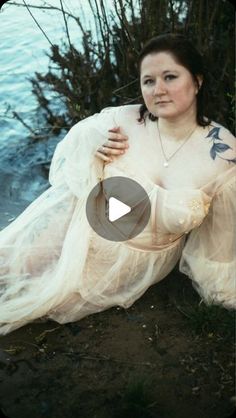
(23, 50)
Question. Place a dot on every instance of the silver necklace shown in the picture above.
(166, 163)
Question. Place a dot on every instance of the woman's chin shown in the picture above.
(165, 114)
(162, 113)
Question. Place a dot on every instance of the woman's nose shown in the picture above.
(159, 88)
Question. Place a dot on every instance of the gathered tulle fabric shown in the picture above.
(209, 256)
(53, 265)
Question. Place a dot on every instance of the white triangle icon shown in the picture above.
(117, 209)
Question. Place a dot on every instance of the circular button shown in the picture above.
(118, 208)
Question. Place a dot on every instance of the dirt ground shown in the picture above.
(164, 357)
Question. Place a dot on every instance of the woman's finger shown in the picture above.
(116, 135)
(115, 145)
(110, 144)
(114, 129)
(110, 150)
(103, 157)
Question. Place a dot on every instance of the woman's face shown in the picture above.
(168, 89)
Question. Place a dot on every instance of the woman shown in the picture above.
(55, 266)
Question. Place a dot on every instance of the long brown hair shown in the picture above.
(185, 53)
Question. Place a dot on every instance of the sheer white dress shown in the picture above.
(53, 265)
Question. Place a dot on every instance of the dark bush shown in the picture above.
(103, 72)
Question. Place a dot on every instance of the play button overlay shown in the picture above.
(118, 208)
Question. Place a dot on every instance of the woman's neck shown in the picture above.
(177, 129)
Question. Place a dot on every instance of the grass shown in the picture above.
(209, 319)
(136, 400)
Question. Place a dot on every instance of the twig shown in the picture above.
(172, 16)
(32, 6)
(123, 19)
(98, 18)
(106, 358)
(27, 343)
(43, 334)
(132, 100)
(180, 310)
(126, 85)
(31, 14)
(66, 26)
(17, 116)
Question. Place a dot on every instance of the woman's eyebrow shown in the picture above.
(170, 71)
(146, 76)
(163, 72)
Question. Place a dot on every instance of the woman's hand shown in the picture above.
(116, 145)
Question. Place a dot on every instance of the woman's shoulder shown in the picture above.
(109, 114)
(220, 132)
(123, 110)
(223, 142)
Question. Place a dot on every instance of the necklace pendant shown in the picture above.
(166, 164)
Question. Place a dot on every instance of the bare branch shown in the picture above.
(31, 14)
(97, 16)
(32, 6)
(66, 26)
(126, 85)
(19, 118)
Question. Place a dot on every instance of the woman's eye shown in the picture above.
(170, 77)
(148, 81)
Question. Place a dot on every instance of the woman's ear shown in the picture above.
(199, 83)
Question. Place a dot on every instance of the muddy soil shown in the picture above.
(164, 357)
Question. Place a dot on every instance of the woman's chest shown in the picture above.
(173, 165)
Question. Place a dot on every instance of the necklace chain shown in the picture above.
(166, 163)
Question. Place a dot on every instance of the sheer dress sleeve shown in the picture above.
(209, 255)
(74, 161)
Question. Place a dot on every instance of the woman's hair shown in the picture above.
(186, 55)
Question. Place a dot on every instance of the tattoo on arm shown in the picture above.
(218, 147)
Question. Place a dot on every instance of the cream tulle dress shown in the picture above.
(53, 265)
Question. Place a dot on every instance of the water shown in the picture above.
(23, 50)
